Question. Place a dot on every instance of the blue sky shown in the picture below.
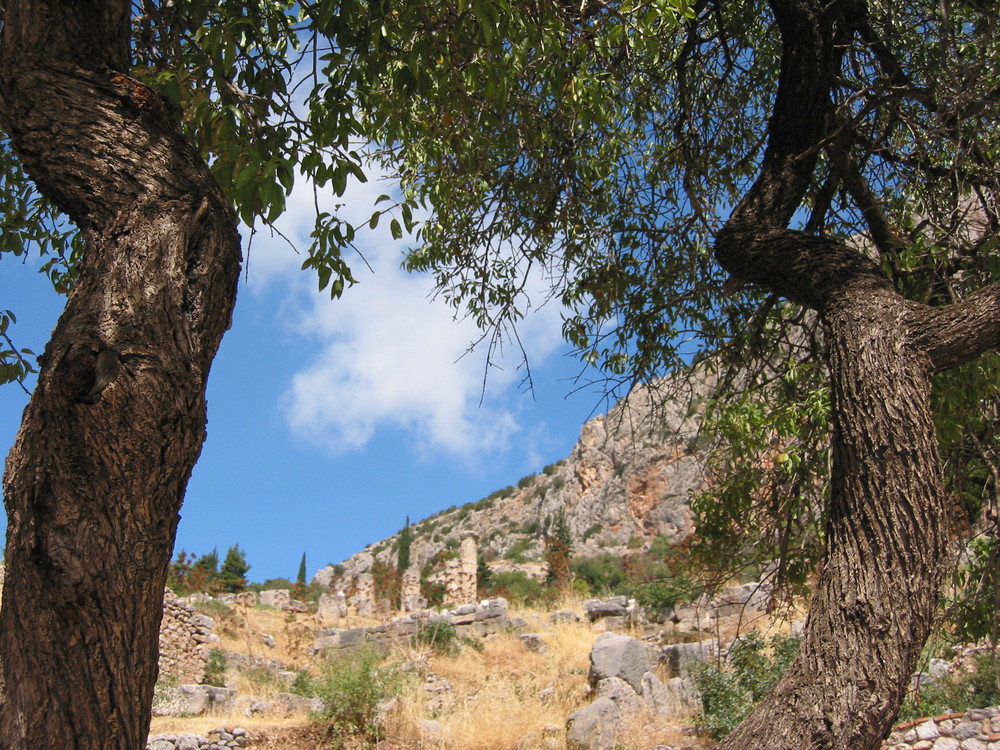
(331, 421)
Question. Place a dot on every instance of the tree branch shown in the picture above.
(959, 332)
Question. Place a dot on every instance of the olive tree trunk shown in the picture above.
(94, 483)
(888, 529)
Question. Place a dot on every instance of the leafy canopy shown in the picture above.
(587, 153)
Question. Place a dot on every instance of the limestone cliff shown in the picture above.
(629, 478)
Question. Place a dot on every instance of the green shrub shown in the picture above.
(501, 494)
(303, 684)
(961, 690)
(351, 689)
(525, 481)
(602, 574)
(729, 692)
(972, 607)
(215, 668)
(658, 595)
(520, 588)
(517, 550)
(272, 584)
(441, 637)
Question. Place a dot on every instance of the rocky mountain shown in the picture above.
(629, 478)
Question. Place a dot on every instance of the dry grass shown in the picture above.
(241, 630)
(647, 730)
(504, 697)
(214, 719)
(501, 697)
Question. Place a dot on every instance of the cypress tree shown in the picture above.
(301, 578)
(403, 554)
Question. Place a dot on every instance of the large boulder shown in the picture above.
(617, 655)
(675, 697)
(623, 679)
(277, 598)
(594, 727)
(680, 657)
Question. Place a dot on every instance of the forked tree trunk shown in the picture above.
(94, 483)
(887, 536)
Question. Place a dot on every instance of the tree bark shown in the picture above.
(888, 528)
(94, 483)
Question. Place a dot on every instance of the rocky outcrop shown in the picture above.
(629, 478)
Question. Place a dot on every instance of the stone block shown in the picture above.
(928, 730)
(597, 609)
(332, 606)
(677, 697)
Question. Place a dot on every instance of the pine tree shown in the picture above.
(204, 574)
(234, 569)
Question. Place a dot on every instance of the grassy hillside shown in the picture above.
(448, 693)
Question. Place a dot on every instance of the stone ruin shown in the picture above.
(363, 600)
(459, 578)
(410, 596)
(185, 639)
(332, 606)
(469, 620)
(460, 582)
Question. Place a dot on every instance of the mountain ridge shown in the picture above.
(628, 479)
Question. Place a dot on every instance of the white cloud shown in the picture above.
(387, 355)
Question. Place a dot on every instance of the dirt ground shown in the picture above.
(286, 738)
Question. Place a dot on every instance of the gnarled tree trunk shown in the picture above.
(94, 483)
(887, 538)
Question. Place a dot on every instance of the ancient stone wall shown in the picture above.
(185, 637)
(218, 739)
(978, 729)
